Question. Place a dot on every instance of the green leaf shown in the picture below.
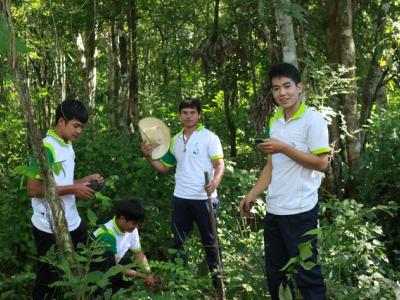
(284, 292)
(91, 217)
(307, 265)
(305, 250)
(291, 262)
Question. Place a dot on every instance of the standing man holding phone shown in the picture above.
(298, 153)
(194, 150)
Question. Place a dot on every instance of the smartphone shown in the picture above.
(258, 140)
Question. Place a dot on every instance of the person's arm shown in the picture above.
(318, 162)
(156, 164)
(219, 169)
(35, 188)
(148, 279)
(261, 185)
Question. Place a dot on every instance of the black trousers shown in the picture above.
(46, 274)
(282, 234)
(185, 212)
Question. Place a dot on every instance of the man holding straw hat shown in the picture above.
(195, 150)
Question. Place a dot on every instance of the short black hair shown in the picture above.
(285, 70)
(72, 109)
(131, 210)
(190, 103)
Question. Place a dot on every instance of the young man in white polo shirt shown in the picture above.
(120, 235)
(194, 150)
(71, 115)
(298, 153)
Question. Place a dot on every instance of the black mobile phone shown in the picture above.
(259, 140)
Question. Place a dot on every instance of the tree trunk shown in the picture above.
(89, 39)
(122, 108)
(375, 73)
(348, 60)
(133, 102)
(62, 235)
(286, 33)
(334, 180)
(113, 72)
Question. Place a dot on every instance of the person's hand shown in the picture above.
(210, 187)
(272, 146)
(81, 190)
(91, 177)
(245, 206)
(146, 149)
(150, 281)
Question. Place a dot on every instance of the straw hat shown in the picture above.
(156, 133)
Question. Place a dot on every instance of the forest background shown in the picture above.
(136, 58)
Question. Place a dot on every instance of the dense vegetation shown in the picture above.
(131, 59)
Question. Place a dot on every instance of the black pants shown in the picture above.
(184, 213)
(46, 274)
(282, 235)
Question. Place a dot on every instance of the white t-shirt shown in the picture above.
(63, 153)
(118, 242)
(294, 188)
(192, 159)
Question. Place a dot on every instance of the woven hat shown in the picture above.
(156, 133)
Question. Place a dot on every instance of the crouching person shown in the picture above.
(118, 236)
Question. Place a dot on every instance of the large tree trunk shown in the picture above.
(375, 72)
(286, 33)
(348, 60)
(61, 232)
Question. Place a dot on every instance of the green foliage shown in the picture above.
(353, 251)
(379, 176)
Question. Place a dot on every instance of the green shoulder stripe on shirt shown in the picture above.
(51, 153)
(33, 165)
(168, 159)
(136, 251)
(320, 151)
(108, 239)
(214, 157)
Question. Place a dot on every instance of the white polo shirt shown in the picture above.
(118, 242)
(294, 188)
(62, 154)
(192, 160)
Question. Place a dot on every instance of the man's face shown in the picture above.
(126, 225)
(190, 117)
(286, 92)
(70, 130)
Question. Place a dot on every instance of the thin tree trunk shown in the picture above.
(113, 72)
(348, 60)
(122, 108)
(62, 235)
(89, 39)
(375, 72)
(133, 101)
(286, 33)
(334, 180)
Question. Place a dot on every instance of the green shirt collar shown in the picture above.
(114, 222)
(199, 128)
(297, 115)
(55, 136)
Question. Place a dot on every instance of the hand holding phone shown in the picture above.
(259, 140)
